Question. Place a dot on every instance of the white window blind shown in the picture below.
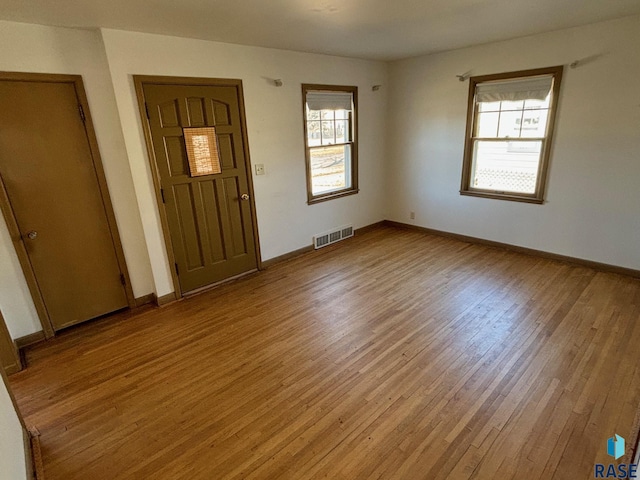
(329, 100)
(536, 88)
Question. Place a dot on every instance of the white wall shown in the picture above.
(16, 304)
(593, 192)
(35, 48)
(12, 453)
(274, 124)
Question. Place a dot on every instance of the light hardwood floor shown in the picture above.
(392, 355)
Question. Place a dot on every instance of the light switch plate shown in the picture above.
(259, 169)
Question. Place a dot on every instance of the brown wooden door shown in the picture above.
(209, 217)
(47, 168)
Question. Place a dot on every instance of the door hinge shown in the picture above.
(177, 269)
(162, 195)
(81, 110)
(123, 281)
(146, 109)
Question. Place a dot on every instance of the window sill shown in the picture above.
(331, 196)
(503, 196)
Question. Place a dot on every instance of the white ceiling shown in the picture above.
(375, 29)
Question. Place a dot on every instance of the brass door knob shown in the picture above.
(244, 196)
(32, 235)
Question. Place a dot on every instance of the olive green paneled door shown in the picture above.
(198, 138)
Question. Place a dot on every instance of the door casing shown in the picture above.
(10, 361)
(139, 82)
(10, 218)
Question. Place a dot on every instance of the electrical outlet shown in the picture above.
(259, 169)
(412, 215)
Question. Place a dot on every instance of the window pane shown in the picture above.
(505, 166)
(510, 124)
(202, 151)
(328, 133)
(487, 125)
(489, 106)
(342, 115)
(342, 131)
(534, 123)
(313, 133)
(327, 114)
(537, 103)
(507, 105)
(330, 168)
(313, 114)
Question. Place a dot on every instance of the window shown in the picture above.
(509, 129)
(330, 129)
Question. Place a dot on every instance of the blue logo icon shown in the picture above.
(615, 446)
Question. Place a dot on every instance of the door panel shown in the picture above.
(47, 168)
(213, 223)
(210, 226)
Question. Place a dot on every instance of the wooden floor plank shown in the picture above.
(393, 355)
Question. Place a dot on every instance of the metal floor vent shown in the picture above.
(324, 239)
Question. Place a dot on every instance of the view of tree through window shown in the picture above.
(330, 142)
(329, 129)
